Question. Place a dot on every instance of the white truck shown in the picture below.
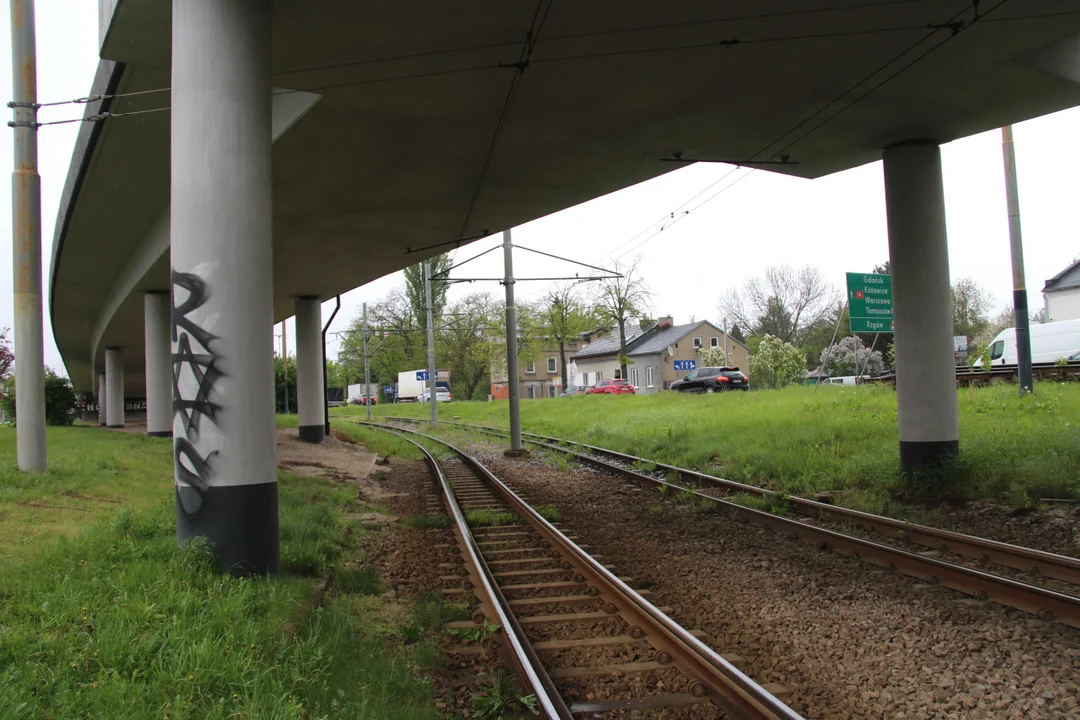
(411, 384)
(1050, 342)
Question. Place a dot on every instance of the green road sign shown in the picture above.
(870, 302)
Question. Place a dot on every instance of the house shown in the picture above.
(654, 353)
(539, 377)
(1061, 294)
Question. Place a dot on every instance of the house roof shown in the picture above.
(609, 344)
(1067, 278)
(659, 341)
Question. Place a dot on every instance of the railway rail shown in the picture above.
(552, 600)
(1043, 602)
(965, 377)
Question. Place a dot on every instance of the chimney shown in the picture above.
(665, 322)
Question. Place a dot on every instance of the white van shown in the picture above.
(1050, 342)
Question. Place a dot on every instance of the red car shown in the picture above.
(611, 387)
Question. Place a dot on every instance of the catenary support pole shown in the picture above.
(433, 374)
(222, 274)
(922, 305)
(114, 387)
(727, 359)
(102, 400)
(285, 359)
(310, 395)
(511, 349)
(26, 244)
(1025, 377)
(367, 367)
(159, 411)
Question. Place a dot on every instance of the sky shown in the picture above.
(836, 223)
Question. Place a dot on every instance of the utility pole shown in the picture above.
(285, 359)
(511, 350)
(26, 244)
(727, 358)
(432, 372)
(1025, 378)
(367, 372)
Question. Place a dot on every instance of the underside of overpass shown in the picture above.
(404, 125)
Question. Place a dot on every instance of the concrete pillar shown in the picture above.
(101, 399)
(310, 400)
(159, 412)
(114, 387)
(922, 305)
(222, 275)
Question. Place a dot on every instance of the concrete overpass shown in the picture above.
(303, 150)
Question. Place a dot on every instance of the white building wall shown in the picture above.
(587, 369)
(1063, 305)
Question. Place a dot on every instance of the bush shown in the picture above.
(777, 363)
(60, 408)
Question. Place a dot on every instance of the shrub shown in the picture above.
(60, 406)
(777, 363)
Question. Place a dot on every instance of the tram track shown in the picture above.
(829, 527)
(564, 617)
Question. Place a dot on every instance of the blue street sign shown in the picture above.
(685, 364)
(388, 389)
(421, 375)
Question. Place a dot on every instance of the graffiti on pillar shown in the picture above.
(195, 372)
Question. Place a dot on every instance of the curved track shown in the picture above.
(1043, 602)
(565, 618)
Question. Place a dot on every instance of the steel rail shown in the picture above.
(520, 653)
(1041, 602)
(712, 676)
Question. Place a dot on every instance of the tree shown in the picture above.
(850, 357)
(7, 355)
(280, 366)
(415, 291)
(621, 300)
(777, 363)
(971, 308)
(60, 401)
(784, 303)
(884, 269)
(466, 341)
(712, 357)
(566, 318)
(736, 334)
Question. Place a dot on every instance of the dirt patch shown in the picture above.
(80, 496)
(846, 640)
(333, 459)
(1055, 528)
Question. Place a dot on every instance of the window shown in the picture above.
(697, 343)
(997, 349)
(649, 376)
(531, 367)
(633, 376)
(552, 365)
(714, 342)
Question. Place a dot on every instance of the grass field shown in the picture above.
(102, 617)
(802, 442)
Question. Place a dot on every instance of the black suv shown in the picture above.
(712, 379)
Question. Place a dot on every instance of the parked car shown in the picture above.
(574, 390)
(611, 387)
(712, 379)
(441, 395)
(363, 400)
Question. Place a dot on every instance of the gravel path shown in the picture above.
(847, 640)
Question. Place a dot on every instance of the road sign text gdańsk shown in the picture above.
(870, 302)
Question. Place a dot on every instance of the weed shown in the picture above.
(665, 489)
(686, 496)
(548, 512)
(488, 518)
(496, 696)
(775, 503)
(564, 462)
(410, 632)
(360, 581)
(643, 466)
(476, 634)
(425, 521)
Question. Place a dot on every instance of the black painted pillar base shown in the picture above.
(160, 433)
(240, 520)
(313, 433)
(115, 427)
(926, 454)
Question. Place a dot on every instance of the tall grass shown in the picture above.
(801, 442)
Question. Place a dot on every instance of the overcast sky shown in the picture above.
(836, 223)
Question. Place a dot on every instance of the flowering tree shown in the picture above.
(850, 357)
(712, 357)
(777, 363)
